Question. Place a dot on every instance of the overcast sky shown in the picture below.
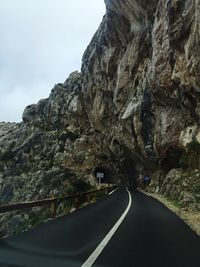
(41, 42)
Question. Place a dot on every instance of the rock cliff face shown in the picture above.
(134, 109)
(141, 75)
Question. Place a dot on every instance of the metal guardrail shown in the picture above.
(53, 202)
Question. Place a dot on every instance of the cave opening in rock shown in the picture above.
(171, 159)
(103, 174)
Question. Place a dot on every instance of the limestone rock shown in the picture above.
(132, 110)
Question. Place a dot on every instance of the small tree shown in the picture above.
(191, 157)
(194, 146)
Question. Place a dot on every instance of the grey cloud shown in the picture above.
(42, 41)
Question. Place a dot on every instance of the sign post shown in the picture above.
(100, 176)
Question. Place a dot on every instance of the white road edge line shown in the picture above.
(113, 191)
(92, 258)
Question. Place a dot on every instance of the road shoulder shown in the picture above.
(191, 218)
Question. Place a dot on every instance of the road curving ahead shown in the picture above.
(125, 228)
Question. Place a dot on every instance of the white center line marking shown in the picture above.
(92, 258)
(113, 191)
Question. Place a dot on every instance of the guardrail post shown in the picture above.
(53, 209)
(88, 198)
(76, 202)
(54, 201)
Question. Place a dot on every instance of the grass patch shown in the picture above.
(174, 202)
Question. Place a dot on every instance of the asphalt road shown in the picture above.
(124, 229)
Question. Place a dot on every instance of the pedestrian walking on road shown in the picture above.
(146, 180)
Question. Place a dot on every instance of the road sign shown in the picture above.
(100, 175)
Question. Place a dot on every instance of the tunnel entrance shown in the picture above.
(102, 174)
(129, 171)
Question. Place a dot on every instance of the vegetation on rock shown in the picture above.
(191, 157)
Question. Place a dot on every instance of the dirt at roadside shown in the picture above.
(191, 218)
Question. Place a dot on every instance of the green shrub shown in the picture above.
(72, 136)
(194, 146)
(176, 203)
(81, 186)
(71, 191)
(190, 159)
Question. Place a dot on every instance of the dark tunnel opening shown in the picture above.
(130, 173)
(103, 174)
